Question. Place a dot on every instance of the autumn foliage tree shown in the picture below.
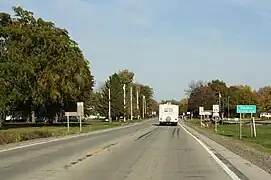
(183, 105)
(215, 91)
(264, 99)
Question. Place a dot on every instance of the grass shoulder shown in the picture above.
(262, 142)
(18, 132)
(254, 149)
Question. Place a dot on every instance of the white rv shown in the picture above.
(168, 114)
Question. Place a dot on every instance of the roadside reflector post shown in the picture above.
(200, 120)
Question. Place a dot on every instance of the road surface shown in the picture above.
(146, 152)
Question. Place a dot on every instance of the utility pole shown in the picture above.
(131, 101)
(143, 108)
(124, 103)
(219, 96)
(137, 103)
(109, 105)
(228, 107)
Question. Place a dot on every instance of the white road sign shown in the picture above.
(71, 114)
(201, 110)
(80, 108)
(216, 108)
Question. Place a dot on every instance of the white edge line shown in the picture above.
(64, 138)
(221, 164)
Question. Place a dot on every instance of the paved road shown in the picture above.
(145, 152)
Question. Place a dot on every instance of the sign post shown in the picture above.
(201, 111)
(251, 125)
(254, 126)
(216, 110)
(80, 112)
(188, 113)
(68, 115)
(246, 109)
(68, 121)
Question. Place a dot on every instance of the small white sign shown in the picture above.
(188, 112)
(201, 111)
(80, 108)
(207, 113)
(216, 108)
(71, 114)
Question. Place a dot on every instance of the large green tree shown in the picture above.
(116, 96)
(116, 83)
(41, 66)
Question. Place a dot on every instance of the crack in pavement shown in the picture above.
(88, 155)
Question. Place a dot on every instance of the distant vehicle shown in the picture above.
(265, 115)
(168, 114)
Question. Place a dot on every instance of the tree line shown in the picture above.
(205, 94)
(43, 72)
(118, 88)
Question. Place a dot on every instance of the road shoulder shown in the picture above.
(22, 144)
(245, 169)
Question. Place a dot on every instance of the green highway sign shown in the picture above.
(246, 109)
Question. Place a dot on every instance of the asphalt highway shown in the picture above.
(141, 152)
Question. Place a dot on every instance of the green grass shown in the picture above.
(262, 142)
(13, 135)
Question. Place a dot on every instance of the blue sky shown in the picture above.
(167, 43)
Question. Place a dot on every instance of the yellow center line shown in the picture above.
(95, 151)
(102, 148)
